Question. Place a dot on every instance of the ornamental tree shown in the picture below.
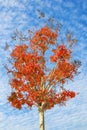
(39, 71)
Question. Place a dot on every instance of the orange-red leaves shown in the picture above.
(30, 57)
(15, 83)
(67, 69)
(19, 49)
(12, 97)
(29, 103)
(16, 100)
(42, 38)
(63, 71)
(68, 93)
(60, 53)
(46, 31)
(54, 98)
(32, 82)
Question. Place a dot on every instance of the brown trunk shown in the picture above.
(41, 118)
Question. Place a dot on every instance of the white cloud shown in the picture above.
(69, 4)
(84, 17)
(11, 3)
(14, 15)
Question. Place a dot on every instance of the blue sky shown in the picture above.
(22, 14)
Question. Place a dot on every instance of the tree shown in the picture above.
(37, 77)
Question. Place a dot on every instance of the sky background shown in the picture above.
(23, 15)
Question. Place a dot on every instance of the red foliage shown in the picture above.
(43, 38)
(60, 53)
(31, 83)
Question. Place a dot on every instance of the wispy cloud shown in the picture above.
(23, 15)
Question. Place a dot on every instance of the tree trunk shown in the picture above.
(41, 118)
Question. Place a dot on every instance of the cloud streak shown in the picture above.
(23, 15)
